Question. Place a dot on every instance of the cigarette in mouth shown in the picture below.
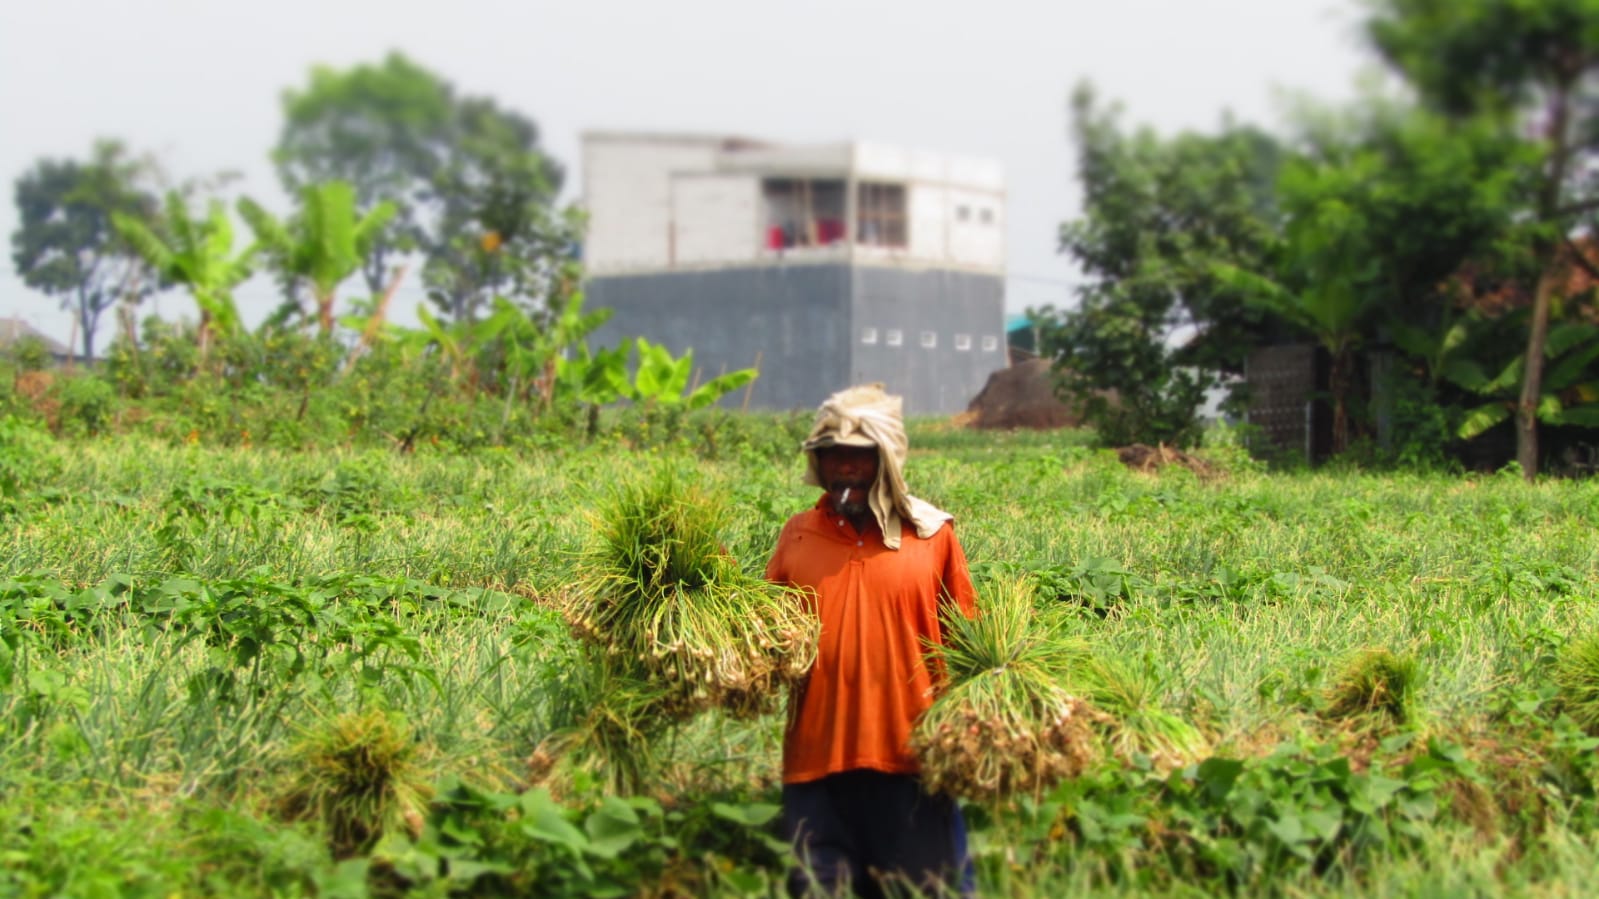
(844, 497)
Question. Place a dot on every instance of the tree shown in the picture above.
(65, 244)
(470, 184)
(1158, 215)
(1530, 63)
(196, 253)
(323, 244)
(1381, 207)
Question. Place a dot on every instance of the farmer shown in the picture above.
(879, 567)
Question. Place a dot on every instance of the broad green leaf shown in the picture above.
(720, 386)
(1468, 373)
(1584, 416)
(750, 814)
(612, 827)
(1572, 367)
(1508, 379)
(1218, 775)
(1565, 336)
(1481, 419)
(544, 819)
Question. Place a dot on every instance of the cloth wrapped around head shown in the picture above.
(865, 415)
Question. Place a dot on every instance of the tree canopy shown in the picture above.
(1158, 215)
(1532, 65)
(65, 244)
(470, 184)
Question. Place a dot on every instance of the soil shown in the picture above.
(1021, 396)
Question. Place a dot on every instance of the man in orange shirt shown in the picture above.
(879, 567)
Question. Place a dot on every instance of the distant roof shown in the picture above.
(1016, 321)
(13, 329)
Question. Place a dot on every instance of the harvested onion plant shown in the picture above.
(1374, 686)
(603, 719)
(1135, 724)
(358, 773)
(1004, 725)
(1577, 677)
(657, 588)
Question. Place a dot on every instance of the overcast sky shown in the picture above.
(199, 82)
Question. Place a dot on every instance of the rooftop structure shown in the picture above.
(821, 265)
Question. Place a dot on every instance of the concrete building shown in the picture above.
(823, 266)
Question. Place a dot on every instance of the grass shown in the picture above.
(137, 749)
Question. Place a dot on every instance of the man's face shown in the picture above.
(851, 468)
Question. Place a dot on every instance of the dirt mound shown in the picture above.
(1141, 457)
(1021, 396)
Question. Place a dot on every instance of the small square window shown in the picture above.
(986, 216)
(990, 343)
(963, 213)
(868, 335)
(929, 339)
(893, 337)
(963, 342)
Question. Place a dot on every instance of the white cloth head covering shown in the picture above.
(865, 415)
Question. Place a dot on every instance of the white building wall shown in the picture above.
(976, 227)
(927, 208)
(660, 201)
(824, 160)
(627, 190)
(715, 218)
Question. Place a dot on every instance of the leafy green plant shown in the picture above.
(1569, 388)
(198, 254)
(324, 244)
(87, 405)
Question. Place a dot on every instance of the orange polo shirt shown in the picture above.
(879, 607)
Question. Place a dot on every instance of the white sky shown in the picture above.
(199, 83)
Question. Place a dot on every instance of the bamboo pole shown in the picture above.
(750, 387)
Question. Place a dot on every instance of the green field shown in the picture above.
(187, 634)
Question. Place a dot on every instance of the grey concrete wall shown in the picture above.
(795, 317)
(940, 380)
(806, 322)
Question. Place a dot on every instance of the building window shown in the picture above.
(929, 339)
(893, 337)
(963, 342)
(990, 343)
(868, 335)
(963, 213)
(880, 219)
(986, 216)
(802, 212)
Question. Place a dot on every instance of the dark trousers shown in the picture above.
(874, 834)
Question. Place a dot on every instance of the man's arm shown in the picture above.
(956, 579)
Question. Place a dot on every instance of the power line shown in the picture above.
(1044, 279)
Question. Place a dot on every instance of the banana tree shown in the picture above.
(1569, 393)
(324, 244)
(531, 351)
(197, 254)
(658, 378)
